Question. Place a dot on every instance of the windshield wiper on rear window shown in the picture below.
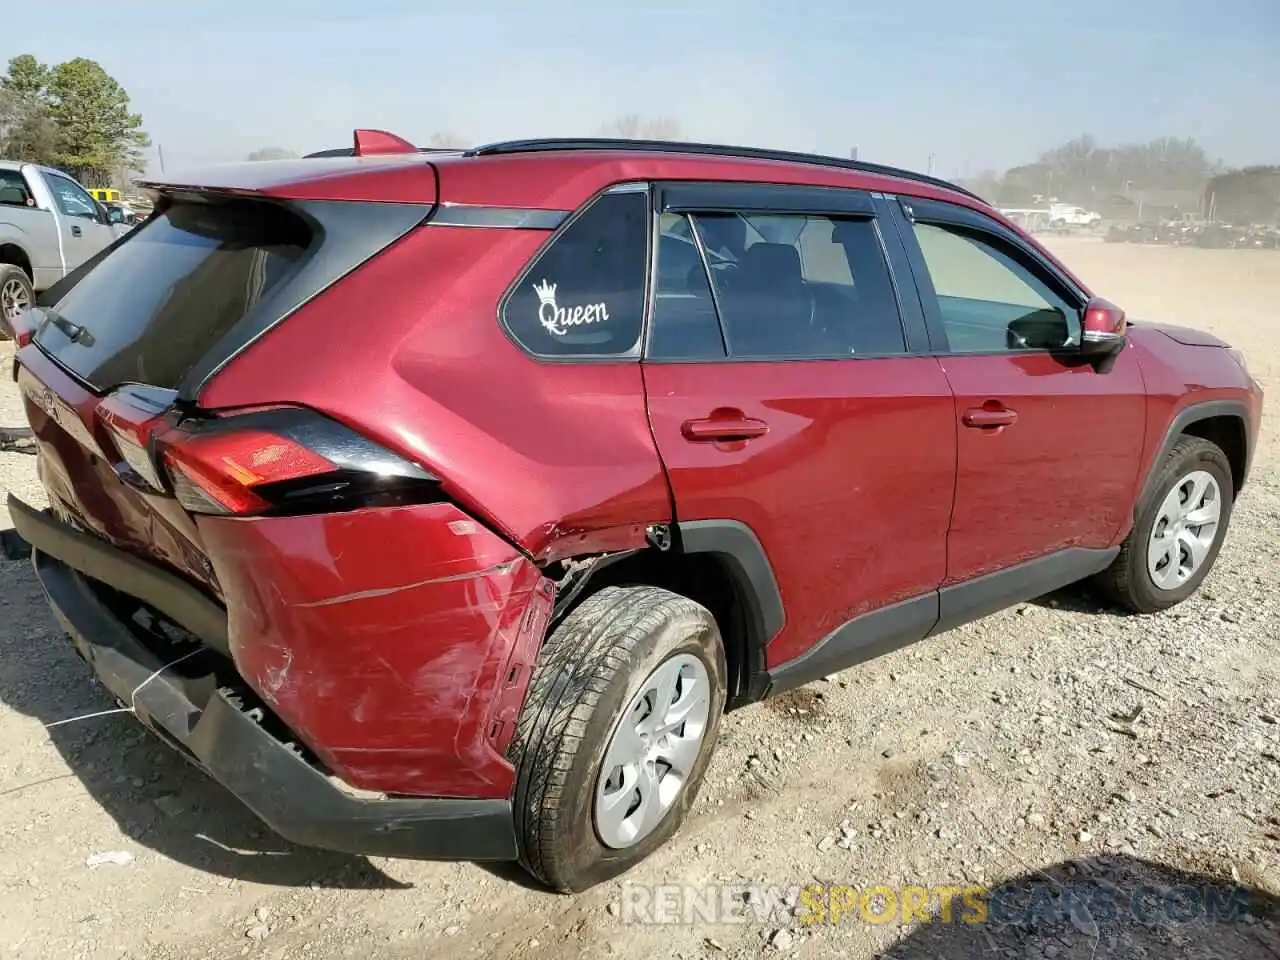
(72, 331)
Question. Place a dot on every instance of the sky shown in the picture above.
(962, 85)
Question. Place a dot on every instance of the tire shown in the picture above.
(589, 671)
(1129, 582)
(13, 279)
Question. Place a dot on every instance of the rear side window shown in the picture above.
(685, 324)
(785, 287)
(158, 303)
(13, 189)
(584, 294)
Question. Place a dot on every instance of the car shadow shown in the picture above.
(510, 871)
(1106, 907)
(1076, 598)
(155, 796)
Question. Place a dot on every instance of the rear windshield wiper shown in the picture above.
(72, 331)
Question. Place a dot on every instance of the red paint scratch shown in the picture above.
(498, 569)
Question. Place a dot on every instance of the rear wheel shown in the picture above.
(1178, 533)
(616, 733)
(16, 297)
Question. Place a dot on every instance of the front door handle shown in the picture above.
(989, 417)
(76, 231)
(723, 426)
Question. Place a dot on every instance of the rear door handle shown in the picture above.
(76, 231)
(723, 428)
(989, 417)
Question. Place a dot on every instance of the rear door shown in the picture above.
(787, 393)
(1049, 445)
(85, 231)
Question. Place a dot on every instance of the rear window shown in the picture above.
(158, 303)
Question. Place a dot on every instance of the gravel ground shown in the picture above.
(1054, 750)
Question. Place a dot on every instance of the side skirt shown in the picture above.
(881, 631)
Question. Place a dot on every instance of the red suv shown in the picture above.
(438, 504)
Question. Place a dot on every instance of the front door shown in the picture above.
(85, 230)
(785, 393)
(1049, 445)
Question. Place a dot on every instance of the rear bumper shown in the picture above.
(188, 707)
(168, 593)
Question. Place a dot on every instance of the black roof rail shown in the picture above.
(351, 152)
(708, 149)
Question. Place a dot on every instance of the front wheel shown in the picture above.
(616, 732)
(1178, 532)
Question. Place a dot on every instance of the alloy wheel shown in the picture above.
(14, 300)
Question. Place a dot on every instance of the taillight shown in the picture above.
(284, 460)
(271, 460)
(219, 472)
(23, 328)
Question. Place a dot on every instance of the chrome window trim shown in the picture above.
(503, 218)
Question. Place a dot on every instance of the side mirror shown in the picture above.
(1103, 329)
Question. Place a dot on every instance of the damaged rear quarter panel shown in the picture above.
(557, 456)
(386, 638)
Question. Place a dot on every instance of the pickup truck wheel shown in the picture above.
(616, 732)
(16, 296)
(1178, 532)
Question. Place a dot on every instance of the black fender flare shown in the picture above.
(1178, 426)
(737, 546)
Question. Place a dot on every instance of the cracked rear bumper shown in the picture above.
(188, 706)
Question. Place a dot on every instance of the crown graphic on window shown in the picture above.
(546, 292)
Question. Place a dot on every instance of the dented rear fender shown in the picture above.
(396, 642)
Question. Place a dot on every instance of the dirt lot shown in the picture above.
(992, 753)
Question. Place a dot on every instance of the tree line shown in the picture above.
(74, 116)
(1083, 171)
(1171, 172)
(1246, 196)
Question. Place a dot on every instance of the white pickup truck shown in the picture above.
(1067, 215)
(49, 225)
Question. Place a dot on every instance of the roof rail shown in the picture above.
(335, 152)
(708, 149)
(350, 152)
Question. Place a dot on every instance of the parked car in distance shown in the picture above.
(1196, 233)
(49, 225)
(643, 432)
(1066, 215)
